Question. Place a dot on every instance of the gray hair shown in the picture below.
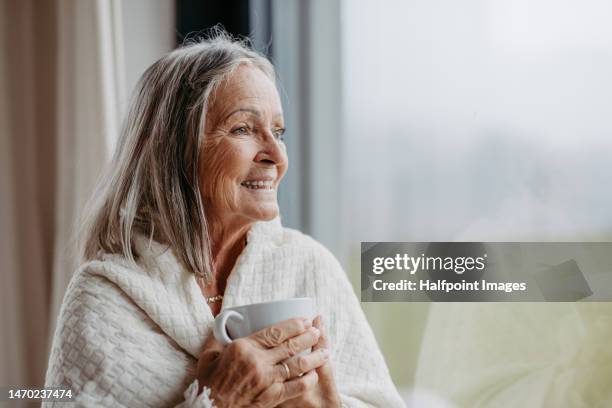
(152, 183)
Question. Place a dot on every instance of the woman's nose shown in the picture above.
(272, 151)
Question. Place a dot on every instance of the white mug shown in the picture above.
(242, 321)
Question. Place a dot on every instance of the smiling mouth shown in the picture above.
(259, 185)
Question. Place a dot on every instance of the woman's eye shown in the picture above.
(242, 130)
(278, 133)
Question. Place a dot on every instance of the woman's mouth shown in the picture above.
(258, 184)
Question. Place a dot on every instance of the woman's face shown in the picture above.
(243, 157)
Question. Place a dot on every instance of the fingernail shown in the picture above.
(307, 323)
(315, 331)
(325, 353)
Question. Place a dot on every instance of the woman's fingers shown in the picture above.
(300, 364)
(249, 367)
(323, 339)
(280, 392)
(212, 347)
(295, 345)
(212, 343)
(299, 385)
(277, 334)
(325, 370)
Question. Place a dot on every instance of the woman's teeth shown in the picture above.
(259, 185)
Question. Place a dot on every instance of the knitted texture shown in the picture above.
(129, 334)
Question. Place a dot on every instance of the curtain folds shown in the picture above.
(62, 78)
(90, 88)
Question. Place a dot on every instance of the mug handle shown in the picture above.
(220, 329)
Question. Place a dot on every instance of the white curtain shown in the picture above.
(61, 83)
(91, 88)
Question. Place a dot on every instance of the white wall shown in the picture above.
(149, 32)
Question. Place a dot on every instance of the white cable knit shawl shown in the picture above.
(129, 336)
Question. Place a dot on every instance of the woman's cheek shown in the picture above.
(227, 194)
(223, 178)
(285, 164)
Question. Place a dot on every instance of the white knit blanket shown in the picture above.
(129, 336)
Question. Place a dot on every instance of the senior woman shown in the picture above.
(186, 223)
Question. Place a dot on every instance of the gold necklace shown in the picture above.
(213, 299)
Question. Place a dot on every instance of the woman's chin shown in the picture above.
(266, 214)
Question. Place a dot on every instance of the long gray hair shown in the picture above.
(152, 183)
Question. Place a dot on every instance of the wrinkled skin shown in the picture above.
(324, 394)
(248, 373)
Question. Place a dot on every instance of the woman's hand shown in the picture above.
(249, 371)
(324, 393)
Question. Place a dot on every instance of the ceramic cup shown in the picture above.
(242, 321)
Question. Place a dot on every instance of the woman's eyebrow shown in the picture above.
(250, 110)
(253, 111)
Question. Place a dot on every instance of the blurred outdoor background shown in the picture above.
(479, 120)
